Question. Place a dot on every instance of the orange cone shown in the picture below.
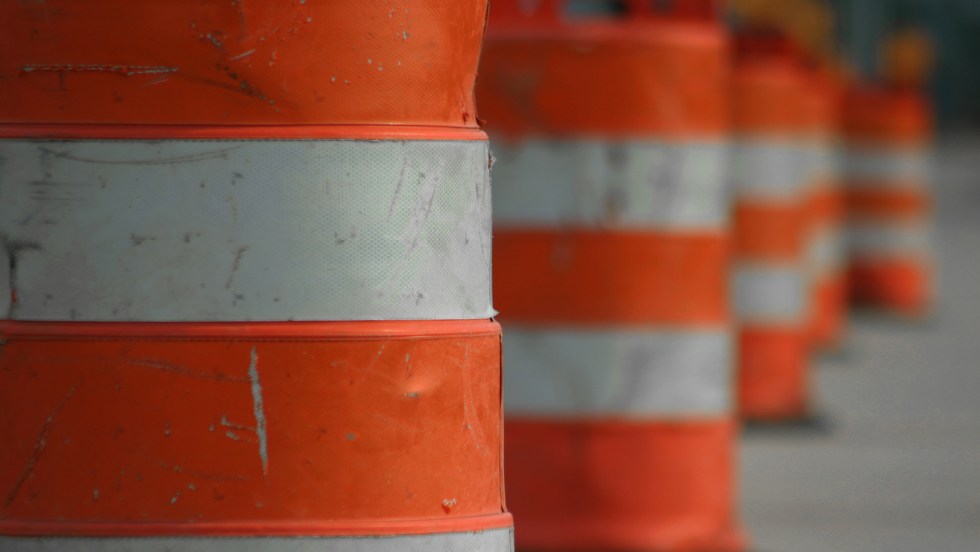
(771, 283)
(248, 296)
(611, 247)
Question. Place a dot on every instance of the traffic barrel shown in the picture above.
(611, 252)
(247, 302)
(771, 186)
(889, 198)
(823, 150)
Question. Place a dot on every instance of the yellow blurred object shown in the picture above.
(907, 57)
(808, 23)
(755, 12)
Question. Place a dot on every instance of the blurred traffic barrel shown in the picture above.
(248, 296)
(823, 150)
(771, 283)
(889, 197)
(611, 251)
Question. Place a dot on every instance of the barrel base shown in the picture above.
(616, 485)
(900, 287)
(829, 313)
(773, 373)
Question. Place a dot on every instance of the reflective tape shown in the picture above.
(765, 293)
(881, 238)
(769, 170)
(623, 373)
(887, 168)
(823, 161)
(497, 540)
(632, 184)
(245, 230)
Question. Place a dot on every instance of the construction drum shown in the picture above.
(248, 297)
(889, 198)
(772, 188)
(826, 248)
(611, 248)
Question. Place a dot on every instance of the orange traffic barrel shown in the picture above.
(771, 187)
(611, 250)
(826, 247)
(889, 198)
(248, 296)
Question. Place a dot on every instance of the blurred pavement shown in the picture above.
(899, 468)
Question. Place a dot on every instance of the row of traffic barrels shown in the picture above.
(681, 217)
(250, 299)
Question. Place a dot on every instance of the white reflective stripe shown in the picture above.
(495, 540)
(769, 170)
(826, 250)
(625, 373)
(888, 168)
(823, 161)
(602, 183)
(770, 293)
(880, 238)
(245, 230)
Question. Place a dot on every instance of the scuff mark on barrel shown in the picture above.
(13, 250)
(207, 476)
(126, 70)
(259, 409)
(40, 445)
(400, 183)
(423, 206)
(165, 366)
(242, 55)
(235, 265)
(203, 156)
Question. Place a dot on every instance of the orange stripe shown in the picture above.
(767, 97)
(829, 312)
(773, 372)
(269, 132)
(881, 115)
(771, 231)
(901, 285)
(827, 204)
(191, 62)
(605, 79)
(888, 204)
(617, 485)
(245, 434)
(610, 277)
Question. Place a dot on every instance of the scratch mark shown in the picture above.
(242, 55)
(40, 444)
(236, 437)
(127, 70)
(138, 240)
(14, 249)
(226, 423)
(398, 185)
(165, 366)
(239, 253)
(475, 431)
(260, 422)
(205, 156)
(200, 474)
